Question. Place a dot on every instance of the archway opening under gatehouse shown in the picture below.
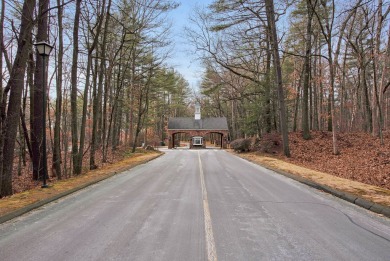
(200, 140)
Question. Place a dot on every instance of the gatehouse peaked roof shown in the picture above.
(182, 123)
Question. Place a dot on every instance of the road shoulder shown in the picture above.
(370, 197)
(21, 203)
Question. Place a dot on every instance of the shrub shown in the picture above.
(241, 145)
(149, 147)
(269, 143)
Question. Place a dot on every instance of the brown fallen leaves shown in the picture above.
(362, 158)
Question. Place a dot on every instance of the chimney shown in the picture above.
(197, 111)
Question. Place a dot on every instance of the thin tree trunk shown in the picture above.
(107, 85)
(278, 72)
(375, 55)
(105, 129)
(25, 132)
(343, 110)
(2, 50)
(367, 106)
(73, 95)
(56, 168)
(342, 31)
(383, 87)
(331, 98)
(117, 109)
(315, 89)
(2, 104)
(327, 33)
(91, 48)
(306, 75)
(297, 100)
(95, 104)
(65, 137)
(268, 117)
(377, 96)
(321, 87)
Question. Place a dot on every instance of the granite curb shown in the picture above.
(364, 203)
(28, 208)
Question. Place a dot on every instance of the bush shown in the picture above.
(149, 147)
(241, 145)
(269, 143)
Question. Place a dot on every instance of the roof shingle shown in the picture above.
(181, 123)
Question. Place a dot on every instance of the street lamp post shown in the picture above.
(44, 49)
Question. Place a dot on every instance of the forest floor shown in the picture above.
(362, 168)
(362, 157)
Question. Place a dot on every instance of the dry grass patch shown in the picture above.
(23, 199)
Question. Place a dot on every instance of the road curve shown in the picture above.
(197, 205)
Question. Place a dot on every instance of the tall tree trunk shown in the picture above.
(376, 94)
(321, 89)
(38, 128)
(329, 113)
(80, 152)
(117, 109)
(383, 87)
(343, 110)
(367, 106)
(106, 127)
(73, 95)
(91, 48)
(278, 73)
(95, 104)
(65, 139)
(331, 97)
(327, 33)
(306, 74)
(375, 55)
(315, 88)
(132, 94)
(2, 49)
(268, 116)
(119, 120)
(143, 104)
(2, 110)
(57, 125)
(116, 112)
(15, 85)
(297, 101)
(341, 38)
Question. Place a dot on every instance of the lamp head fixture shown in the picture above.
(43, 48)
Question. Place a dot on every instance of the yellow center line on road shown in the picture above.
(211, 251)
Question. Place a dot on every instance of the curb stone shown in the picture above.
(364, 203)
(386, 211)
(377, 208)
(38, 204)
(349, 197)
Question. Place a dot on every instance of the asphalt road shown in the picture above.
(197, 205)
